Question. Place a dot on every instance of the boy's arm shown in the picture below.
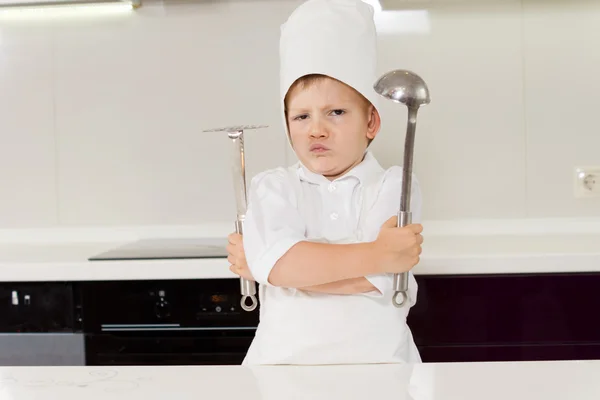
(385, 206)
(309, 264)
(240, 267)
(276, 247)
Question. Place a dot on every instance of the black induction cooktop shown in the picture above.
(166, 248)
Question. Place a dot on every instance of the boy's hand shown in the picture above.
(396, 249)
(237, 257)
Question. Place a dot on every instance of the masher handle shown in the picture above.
(248, 287)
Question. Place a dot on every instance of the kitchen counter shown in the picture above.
(69, 262)
(487, 247)
(576, 380)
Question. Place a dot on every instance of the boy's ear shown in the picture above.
(373, 122)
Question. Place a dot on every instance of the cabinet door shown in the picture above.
(491, 317)
(522, 352)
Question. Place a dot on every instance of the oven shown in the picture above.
(166, 322)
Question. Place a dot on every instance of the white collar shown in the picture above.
(366, 171)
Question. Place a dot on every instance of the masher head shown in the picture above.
(235, 131)
(404, 87)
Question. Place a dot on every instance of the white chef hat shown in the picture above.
(336, 38)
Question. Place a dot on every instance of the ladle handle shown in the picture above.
(404, 215)
(400, 282)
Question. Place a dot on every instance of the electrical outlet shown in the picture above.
(587, 182)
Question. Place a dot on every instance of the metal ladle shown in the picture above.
(406, 87)
(236, 134)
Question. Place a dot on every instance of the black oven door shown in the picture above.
(223, 347)
(173, 322)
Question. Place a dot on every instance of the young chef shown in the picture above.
(320, 237)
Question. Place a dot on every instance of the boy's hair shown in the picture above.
(308, 80)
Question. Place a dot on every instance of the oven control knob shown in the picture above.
(218, 309)
(162, 309)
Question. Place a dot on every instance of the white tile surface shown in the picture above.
(465, 381)
(27, 157)
(562, 89)
(470, 147)
(512, 104)
(130, 115)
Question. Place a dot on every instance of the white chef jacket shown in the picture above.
(289, 205)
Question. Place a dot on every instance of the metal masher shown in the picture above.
(406, 87)
(236, 134)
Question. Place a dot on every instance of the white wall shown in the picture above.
(101, 119)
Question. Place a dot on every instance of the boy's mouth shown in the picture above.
(318, 148)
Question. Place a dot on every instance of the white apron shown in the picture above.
(298, 327)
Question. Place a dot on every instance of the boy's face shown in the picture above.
(330, 125)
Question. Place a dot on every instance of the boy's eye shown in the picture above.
(300, 117)
(338, 112)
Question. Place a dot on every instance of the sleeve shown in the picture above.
(386, 205)
(272, 224)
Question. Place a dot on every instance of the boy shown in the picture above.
(320, 237)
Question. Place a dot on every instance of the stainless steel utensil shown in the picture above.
(406, 87)
(236, 134)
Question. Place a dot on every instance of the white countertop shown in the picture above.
(572, 380)
(484, 247)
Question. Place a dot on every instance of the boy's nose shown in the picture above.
(317, 129)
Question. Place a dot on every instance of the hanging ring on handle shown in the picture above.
(397, 303)
(252, 305)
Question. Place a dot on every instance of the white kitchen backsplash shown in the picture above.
(101, 119)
